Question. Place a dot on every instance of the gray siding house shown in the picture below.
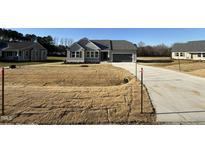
(22, 51)
(95, 51)
(193, 50)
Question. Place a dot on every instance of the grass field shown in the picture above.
(71, 94)
(196, 68)
(153, 58)
(49, 60)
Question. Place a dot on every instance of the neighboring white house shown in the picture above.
(193, 50)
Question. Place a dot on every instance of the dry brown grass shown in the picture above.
(187, 66)
(200, 72)
(70, 94)
(71, 75)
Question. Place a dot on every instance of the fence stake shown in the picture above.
(141, 90)
(136, 69)
(179, 64)
(2, 91)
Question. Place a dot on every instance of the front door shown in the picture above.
(104, 56)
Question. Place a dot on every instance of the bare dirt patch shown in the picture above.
(196, 68)
(73, 95)
(154, 59)
(71, 75)
(200, 72)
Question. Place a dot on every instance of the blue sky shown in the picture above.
(151, 36)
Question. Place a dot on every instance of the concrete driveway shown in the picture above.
(177, 97)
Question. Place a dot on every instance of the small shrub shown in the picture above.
(12, 66)
(126, 80)
(84, 66)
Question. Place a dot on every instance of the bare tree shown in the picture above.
(141, 44)
(69, 42)
(55, 40)
(62, 41)
(66, 41)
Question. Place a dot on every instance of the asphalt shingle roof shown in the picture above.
(192, 46)
(12, 46)
(114, 44)
(75, 47)
(102, 44)
(122, 45)
(87, 44)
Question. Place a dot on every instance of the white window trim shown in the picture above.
(87, 54)
(182, 54)
(97, 54)
(72, 54)
(26, 53)
(77, 54)
(91, 54)
(10, 54)
(176, 54)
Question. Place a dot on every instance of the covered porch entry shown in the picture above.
(104, 55)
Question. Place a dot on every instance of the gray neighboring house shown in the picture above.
(95, 51)
(22, 51)
(193, 50)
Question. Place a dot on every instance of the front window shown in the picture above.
(77, 54)
(73, 54)
(87, 54)
(199, 54)
(203, 54)
(92, 54)
(20, 53)
(96, 54)
(9, 54)
(26, 53)
(176, 54)
(15, 53)
(181, 54)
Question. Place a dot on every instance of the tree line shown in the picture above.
(55, 46)
(160, 50)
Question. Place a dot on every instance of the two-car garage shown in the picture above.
(122, 58)
(117, 50)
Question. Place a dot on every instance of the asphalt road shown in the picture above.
(177, 97)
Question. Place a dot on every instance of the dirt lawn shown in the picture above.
(196, 68)
(71, 94)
